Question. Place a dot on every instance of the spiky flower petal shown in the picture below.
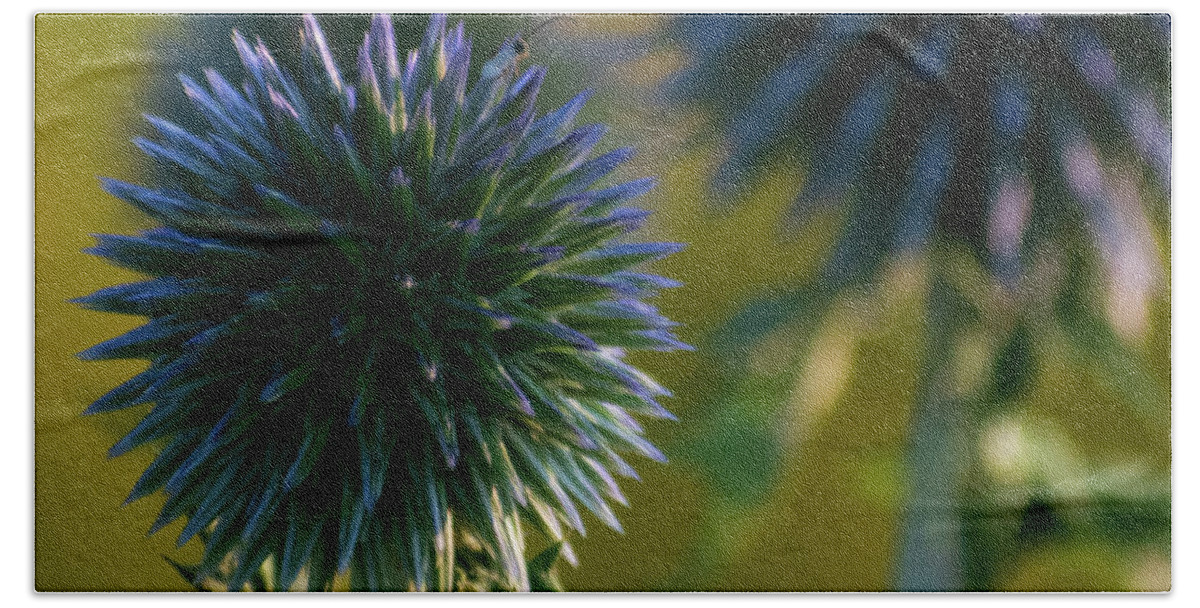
(387, 317)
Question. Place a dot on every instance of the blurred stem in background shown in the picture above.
(930, 557)
(1036, 145)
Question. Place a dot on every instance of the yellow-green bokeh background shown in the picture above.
(829, 514)
(89, 70)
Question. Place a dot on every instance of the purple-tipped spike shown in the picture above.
(312, 32)
(384, 39)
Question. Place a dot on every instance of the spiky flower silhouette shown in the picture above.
(387, 318)
(975, 127)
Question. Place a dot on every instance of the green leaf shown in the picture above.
(191, 574)
(1015, 367)
(542, 575)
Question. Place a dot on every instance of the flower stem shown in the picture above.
(930, 554)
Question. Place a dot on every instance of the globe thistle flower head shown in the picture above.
(388, 314)
(977, 127)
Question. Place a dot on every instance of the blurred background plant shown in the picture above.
(927, 275)
(1019, 167)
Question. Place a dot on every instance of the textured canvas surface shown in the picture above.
(603, 302)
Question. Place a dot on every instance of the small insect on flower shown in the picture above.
(388, 314)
